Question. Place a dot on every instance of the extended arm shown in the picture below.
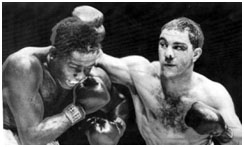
(121, 70)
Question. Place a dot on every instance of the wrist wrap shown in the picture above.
(226, 136)
(74, 113)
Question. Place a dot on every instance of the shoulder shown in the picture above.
(210, 85)
(217, 95)
(21, 59)
(135, 60)
(156, 67)
(139, 64)
(21, 64)
(36, 51)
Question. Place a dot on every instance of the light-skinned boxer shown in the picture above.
(173, 103)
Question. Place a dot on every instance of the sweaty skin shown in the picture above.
(163, 91)
(33, 100)
(160, 117)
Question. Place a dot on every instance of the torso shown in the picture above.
(54, 98)
(160, 118)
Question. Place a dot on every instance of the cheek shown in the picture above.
(64, 73)
(67, 73)
(160, 53)
(184, 59)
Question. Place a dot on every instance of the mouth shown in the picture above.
(67, 84)
(169, 65)
(72, 83)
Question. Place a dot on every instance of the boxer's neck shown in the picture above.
(180, 85)
(47, 66)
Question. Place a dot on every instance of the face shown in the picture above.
(68, 71)
(175, 52)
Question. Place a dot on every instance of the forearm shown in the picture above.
(47, 130)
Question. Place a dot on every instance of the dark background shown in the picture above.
(133, 28)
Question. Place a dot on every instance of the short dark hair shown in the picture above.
(71, 34)
(195, 32)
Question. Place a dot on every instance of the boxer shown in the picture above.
(173, 104)
(37, 82)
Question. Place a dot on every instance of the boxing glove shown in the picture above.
(206, 120)
(103, 131)
(118, 106)
(92, 94)
(92, 18)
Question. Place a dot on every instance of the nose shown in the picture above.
(169, 54)
(79, 76)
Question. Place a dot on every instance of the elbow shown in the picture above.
(30, 140)
(29, 137)
(26, 140)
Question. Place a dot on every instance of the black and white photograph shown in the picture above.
(122, 73)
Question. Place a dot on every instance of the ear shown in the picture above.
(52, 53)
(197, 52)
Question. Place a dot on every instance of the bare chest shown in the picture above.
(54, 98)
(169, 110)
(162, 119)
(172, 111)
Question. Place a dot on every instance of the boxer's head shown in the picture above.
(72, 34)
(180, 45)
(185, 24)
(76, 46)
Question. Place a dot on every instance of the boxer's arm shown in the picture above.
(39, 52)
(22, 77)
(120, 70)
(109, 130)
(225, 106)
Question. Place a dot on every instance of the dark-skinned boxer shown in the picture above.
(38, 80)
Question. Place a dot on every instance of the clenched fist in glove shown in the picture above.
(103, 131)
(206, 120)
(93, 18)
(92, 94)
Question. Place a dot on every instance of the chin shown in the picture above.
(168, 74)
(64, 85)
